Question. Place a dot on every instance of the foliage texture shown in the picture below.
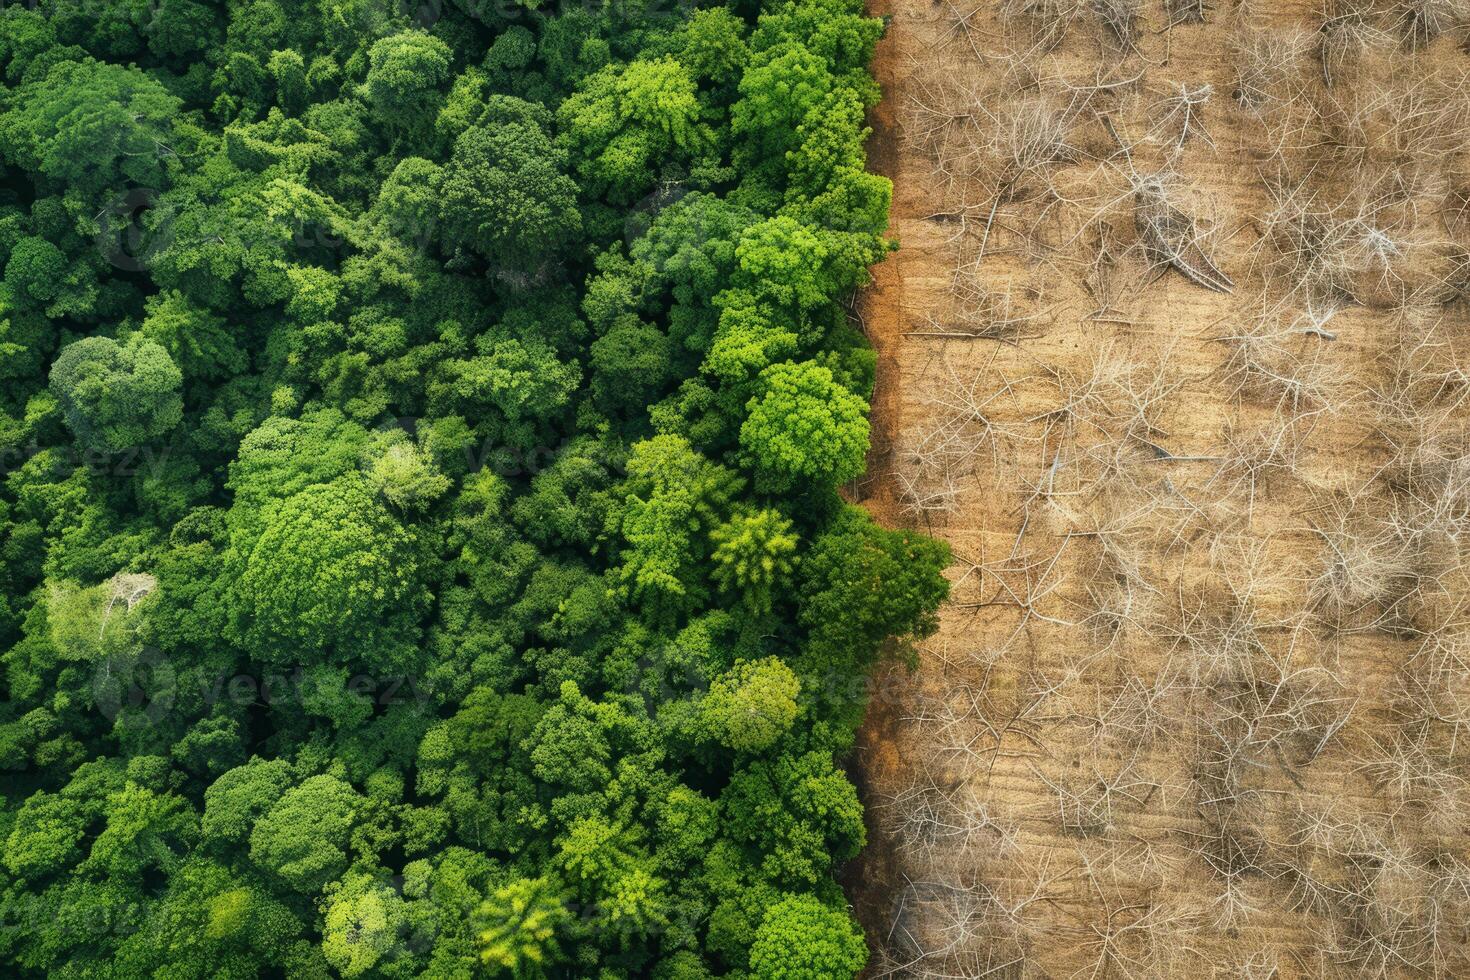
(422, 431)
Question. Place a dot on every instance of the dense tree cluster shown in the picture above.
(422, 430)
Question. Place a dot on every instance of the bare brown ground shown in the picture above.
(1195, 706)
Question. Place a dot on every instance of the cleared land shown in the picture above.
(1175, 357)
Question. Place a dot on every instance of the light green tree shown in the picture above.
(624, 121)
(713, 45)
(521, 920)
(755, 553)
(786, 262)
(90, 623)
(405, 476)
(751, 705)
(804, 429)
(802, 939)
(363, 924)
(777, 90)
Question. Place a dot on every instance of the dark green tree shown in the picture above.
(405, 74)
(303, 838)
(504, 192)
(117, 396)
(92, 129)
(860, 583)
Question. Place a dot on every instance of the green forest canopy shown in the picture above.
(421, 435)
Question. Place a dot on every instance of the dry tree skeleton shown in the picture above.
(1419, 22)
(1167, 235)
(1048, 21)
(1281, 366)
(1185, 11)
(1267, 65)
(1347, 31)
(1183, 108)
(1119, 20)
(1173, 239)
